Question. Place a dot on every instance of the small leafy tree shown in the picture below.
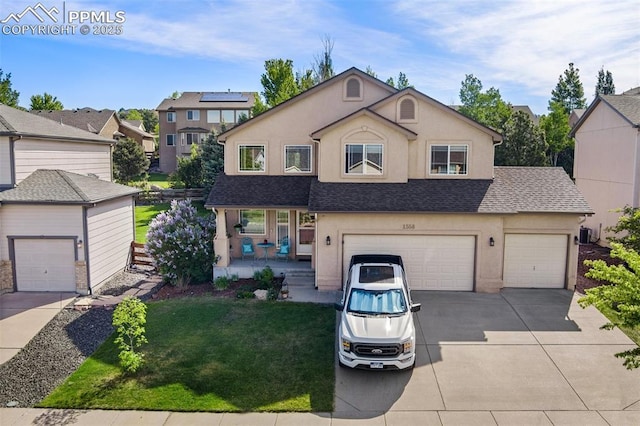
(622, 296)
(8, 96)
(181, 244)
(628, 225)
(129, 160)
(45, 102)
(129, 319)
(188, 174)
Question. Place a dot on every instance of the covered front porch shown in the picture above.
(247, 267)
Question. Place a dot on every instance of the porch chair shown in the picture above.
(283, 251)
(247, 248)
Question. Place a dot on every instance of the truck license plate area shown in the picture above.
(376, 365)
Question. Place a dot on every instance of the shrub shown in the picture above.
(245, 294)
(221, 283)
(129, 319)
(264, 277)
(181, 244)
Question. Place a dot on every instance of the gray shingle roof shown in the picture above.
(417, 195)
(627, 105)
(88, 119)
(62, 187)
(533, 190)
(14, 122)
(260, 191)
(192, 100)
(513, 190)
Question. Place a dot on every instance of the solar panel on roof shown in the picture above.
(223, 97)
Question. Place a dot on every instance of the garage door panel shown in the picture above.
(432, 262)
(45, 264)
(536, 260)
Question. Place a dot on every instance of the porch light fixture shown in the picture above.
(576, 240)
(492, 242)
(328, 240)
(79, 244)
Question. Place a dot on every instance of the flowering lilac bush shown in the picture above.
(181, 244)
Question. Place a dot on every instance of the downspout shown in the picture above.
(636, 183)
(85, 235)
(12, 158)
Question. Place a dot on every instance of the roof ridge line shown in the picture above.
(65, 176)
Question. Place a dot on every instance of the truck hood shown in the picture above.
(380, 327)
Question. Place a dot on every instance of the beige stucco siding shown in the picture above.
(293, 125)
(82, 158)
(36, 221)
(606, 166)
(5, 161)
(489, 260)
(111, 229)
(436, 126)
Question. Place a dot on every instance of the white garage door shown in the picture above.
(537, 261)
(432, 262)
(45, 265)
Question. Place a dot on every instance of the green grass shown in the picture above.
(159, 179)
(632, 333)
(219, 355)
(145, 214)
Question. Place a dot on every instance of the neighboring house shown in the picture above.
(354, 166)
(607, 158)
(189, 119)
(104, 122)
(64, 226)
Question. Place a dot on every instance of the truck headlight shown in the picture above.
(346, 345)
(407, 345)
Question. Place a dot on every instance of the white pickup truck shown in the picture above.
(376, 324)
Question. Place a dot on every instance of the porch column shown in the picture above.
(221, 240)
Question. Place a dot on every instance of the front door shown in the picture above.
(306, 233)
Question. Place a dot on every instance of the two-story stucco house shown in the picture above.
(607, 159)
(189, 119)
(64, 226)
(354, 166)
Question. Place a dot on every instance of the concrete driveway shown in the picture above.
(22, 316)
(518, 357)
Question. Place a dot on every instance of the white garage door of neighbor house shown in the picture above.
(535, 261)
(432, 262)
(45, 264)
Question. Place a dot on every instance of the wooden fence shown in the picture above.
(138, 255)
(165, 195)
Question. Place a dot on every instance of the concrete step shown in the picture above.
(300, 281)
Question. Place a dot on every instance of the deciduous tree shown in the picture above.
(487, 108)
(278, 82)
(556, 130)
(46, 102)
(323, 66)
(8, 96)
(627, 230)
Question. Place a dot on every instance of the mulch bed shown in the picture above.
(591, 252)
(207, 289)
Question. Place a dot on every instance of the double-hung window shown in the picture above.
(171, 117)
(363, 159)
(297, 159)
(251, 158)
(449, 159)
(193, 115)
(253, 221)
(171, 139)
(282, 228)
(193, 138)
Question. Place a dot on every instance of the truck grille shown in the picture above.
(379, 351)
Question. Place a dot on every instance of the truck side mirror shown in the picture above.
(415, 307)
(339, 306)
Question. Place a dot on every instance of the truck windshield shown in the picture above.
(377, 301)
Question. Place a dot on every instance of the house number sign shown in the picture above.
(408, 226)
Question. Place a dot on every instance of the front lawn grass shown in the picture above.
(632, 333)
(220, 355)
(145, 214)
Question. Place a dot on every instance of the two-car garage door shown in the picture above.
(432, 262)
(45, 264)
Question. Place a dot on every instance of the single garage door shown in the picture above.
(45, 264)
(537, 261)
(432, 262)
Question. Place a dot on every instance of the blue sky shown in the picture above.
(519, 47)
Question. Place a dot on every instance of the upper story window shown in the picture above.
(363, 159)
(297, 159)
(193, 115)
(407, 110)
(449, 159)
(171, 117)
(228, 116)
(213, 116)
(251, 158)
(171, 140)
(353, 89)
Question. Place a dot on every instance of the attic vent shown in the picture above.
(353, 88)
(407, 110)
